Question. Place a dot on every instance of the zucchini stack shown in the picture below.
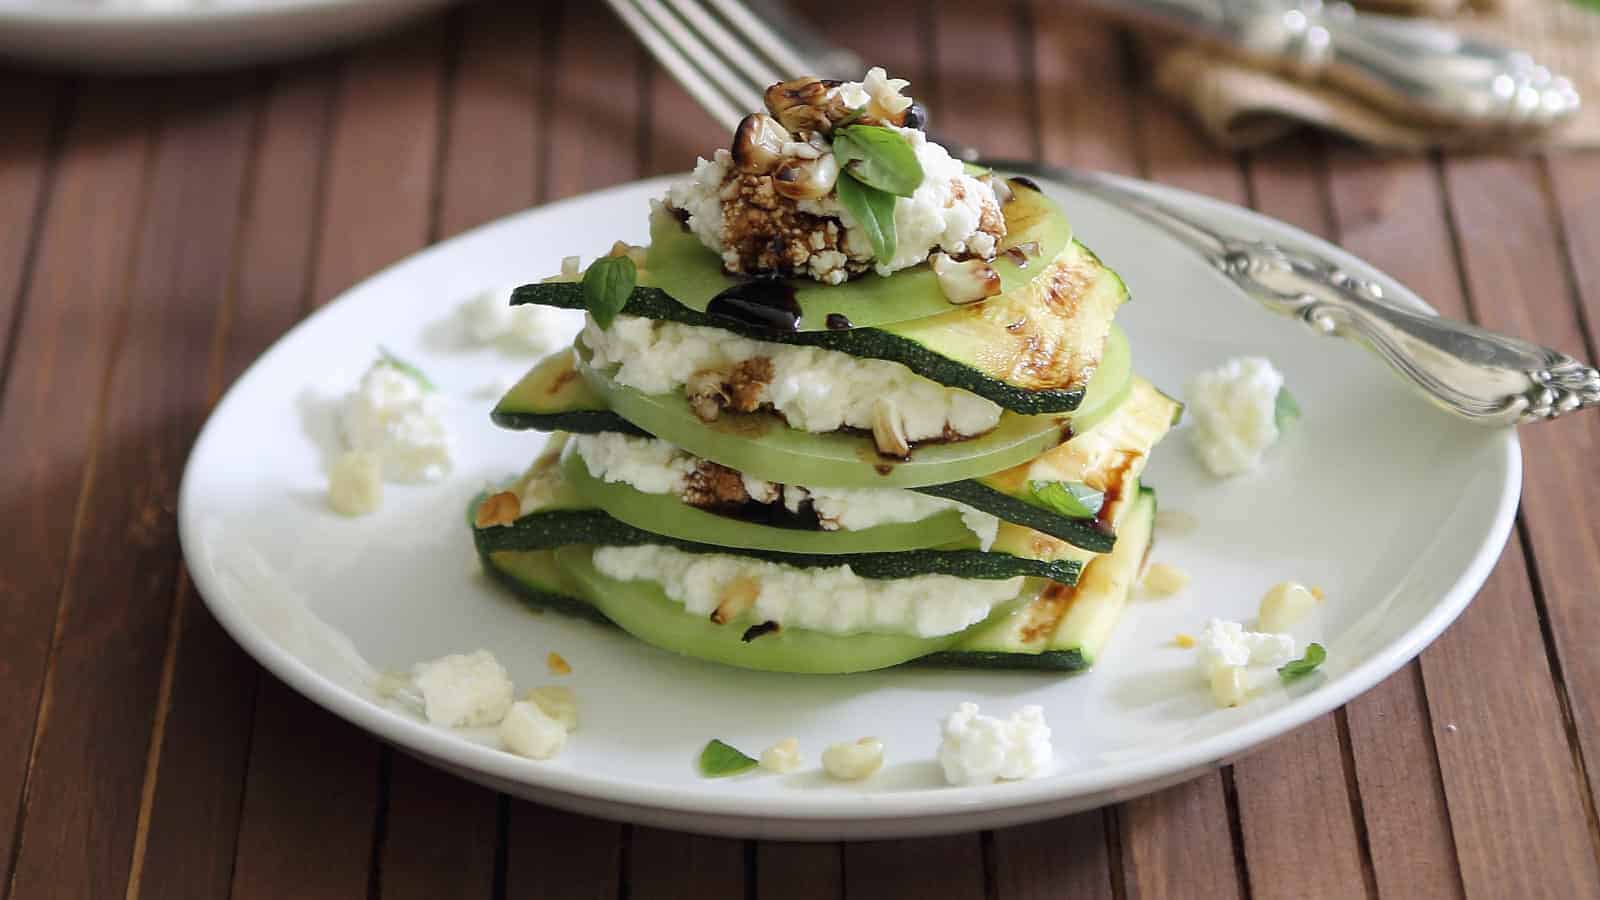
(787, 474)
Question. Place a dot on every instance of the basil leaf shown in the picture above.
(878, 156)
(404, 368)
(1284, 409)
(606, 287)
(1072, 499)
(1305, 665)
(718, 760)
(874, 209)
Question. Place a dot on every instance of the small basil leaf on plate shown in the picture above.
(1072, 499)
(1305, 665)
(1285, 409)
(878, 156)
(606, 287)
(874, 210)
(719, 760)
(405, 368)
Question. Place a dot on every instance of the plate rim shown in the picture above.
(1061, 788)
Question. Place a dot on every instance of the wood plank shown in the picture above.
(34, 106)
(680, 131)
(1177, 843)
(116, 608)
(597, 118)
(1062, 859)
(1179, 840)
(193, 821)
(1295, 804)
(1509, 768)
(1082, 103)
(1389, 211)
(1563, 524)
(673, 865)
(62, 346)
(551, 853)
(980, 57)
(307, 825)
(950, 868)
(494, 136)
(790, 871)
(27, 168)
(377, 207)
(441, 835)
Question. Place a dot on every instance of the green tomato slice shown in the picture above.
(684, 268)
(643, 610)
(666, 514)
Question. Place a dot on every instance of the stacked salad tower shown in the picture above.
(857, 404)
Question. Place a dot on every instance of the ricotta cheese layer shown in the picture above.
(813, 389)
(833, 600)
(654, 466)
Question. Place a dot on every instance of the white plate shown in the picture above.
(150, 36)
(1397, 511)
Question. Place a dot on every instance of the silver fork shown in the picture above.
(725, 55)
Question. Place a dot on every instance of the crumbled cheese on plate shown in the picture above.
(980, 749)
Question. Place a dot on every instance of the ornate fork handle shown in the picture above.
(1490, 378)
(1470, 371)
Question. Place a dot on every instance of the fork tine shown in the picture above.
(735, 48)
(702, 55)
(791, 62)
(704, 90)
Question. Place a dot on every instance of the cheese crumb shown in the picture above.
(1164, 580)
(979, 749)
(1225, 643)
(528, 731)
(463, 689)
(355, 486)
(782, 757)
(489, 317)
(394, 417)
(1235, 414)
(855, 760)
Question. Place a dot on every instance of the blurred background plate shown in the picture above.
(171, 35)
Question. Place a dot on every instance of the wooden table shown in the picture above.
(157, 234)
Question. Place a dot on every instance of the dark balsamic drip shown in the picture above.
(763, 304)
(1026, 182)
(838, 322)
(682, 215)
(755, 631)
(776, 515)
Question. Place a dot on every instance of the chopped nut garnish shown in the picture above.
(706, 395)
(1186, 641)
(964, 281)
(737, 596)
(806, 179)
(497, 509)
(803, 106)
(758, 144)
(1318, 593)
(712, 391)
(557, 664)
(889, 431)
(713, 486)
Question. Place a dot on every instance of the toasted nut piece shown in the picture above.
(853, 761)
(497, 509)
(707, 394)
(782, 757)
(758, 144)
(1228, 686)
(964, 281)
(558, 664)
(1186, 641)
(889, 430)
(801, 105)
(737, 596)
(806, 179)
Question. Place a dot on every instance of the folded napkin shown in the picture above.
(1242, 106)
